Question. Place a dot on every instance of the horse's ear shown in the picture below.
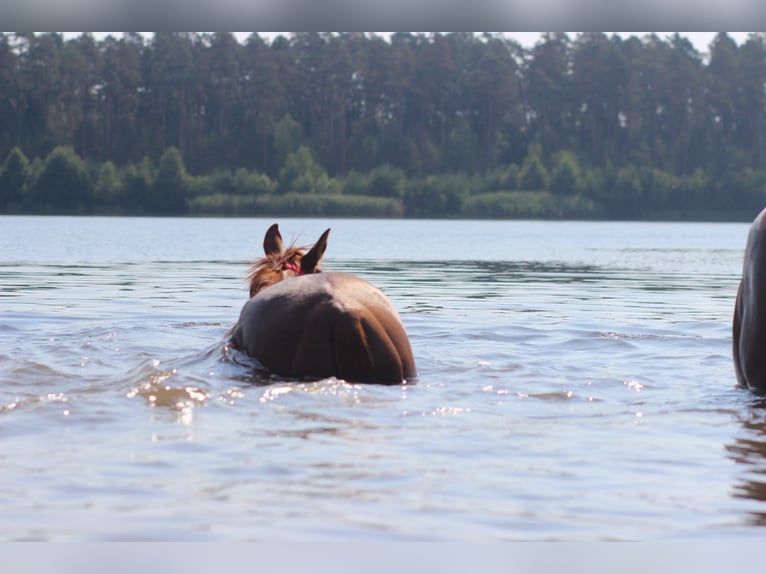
(310, 261)
(272, 242)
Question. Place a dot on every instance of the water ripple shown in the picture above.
(575, 383)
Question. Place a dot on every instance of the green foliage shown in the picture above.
(253, 183)
(227, 182)
(355, 183)
(503, 178)
(421, 156)
(639, 127)
(566, 179)
(288, 138)
(330, 205)
(171, 185)
(386, 181)
(222, 204)
(533, 176)
(301, 174)
(137, 183)
(627, 199)
(108, 188)
(598, 183)
(658, 186)
(436, 195)
(383, 181)
(63, 184)
(13, 180)
(297, 204)
(462, 153)
(33, 176)
(744, 190)
(220, 181)
(529, 205)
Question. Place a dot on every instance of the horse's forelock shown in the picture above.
(268, 269)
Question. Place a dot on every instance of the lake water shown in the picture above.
(575, 383)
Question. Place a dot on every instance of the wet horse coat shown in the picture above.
(302, 323)
(749, 324)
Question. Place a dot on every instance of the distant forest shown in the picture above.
(417, 125)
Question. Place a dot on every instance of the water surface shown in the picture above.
(575, 383)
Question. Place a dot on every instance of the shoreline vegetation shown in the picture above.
(454, 125)
(65, 184)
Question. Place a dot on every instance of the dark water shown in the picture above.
(575, 384)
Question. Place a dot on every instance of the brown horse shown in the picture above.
(302, 323)
(749, 324)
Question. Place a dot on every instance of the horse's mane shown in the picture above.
(267, 270)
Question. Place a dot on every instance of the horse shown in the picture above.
(749, 323)
(301, 323)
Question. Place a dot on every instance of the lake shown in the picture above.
(575, 383)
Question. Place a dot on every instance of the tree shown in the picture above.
(599, 74)
(222, 95)
(264, 70)
(13, 178)
(355, 183)
(64, 184)
(751, 114)
(724, 81)
(686, 95)
(493, 92)
(533, 176)
(386, 181)
(565, 178)
(548, 85)
(304, 175)
(169, 72)
(252, 183)
(9, 94)
(108, 187)
(288, 137)
(171, 184)
(80, 86)
(138, 182)
(628, 194)
(462, 149)
(431, 105)
(122, 88)
(38, 94)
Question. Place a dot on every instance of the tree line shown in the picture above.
(456, 124)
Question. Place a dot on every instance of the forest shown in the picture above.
(407, 125)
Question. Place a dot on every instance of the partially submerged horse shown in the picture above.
(749, 324)
(302, 323)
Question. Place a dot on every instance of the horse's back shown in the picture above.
(749, 322)
(323, 325)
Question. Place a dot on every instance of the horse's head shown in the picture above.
(278, 264)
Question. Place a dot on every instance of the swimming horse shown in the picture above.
(302, 323)
(749, 324)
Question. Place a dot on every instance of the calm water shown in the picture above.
(575, 383)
